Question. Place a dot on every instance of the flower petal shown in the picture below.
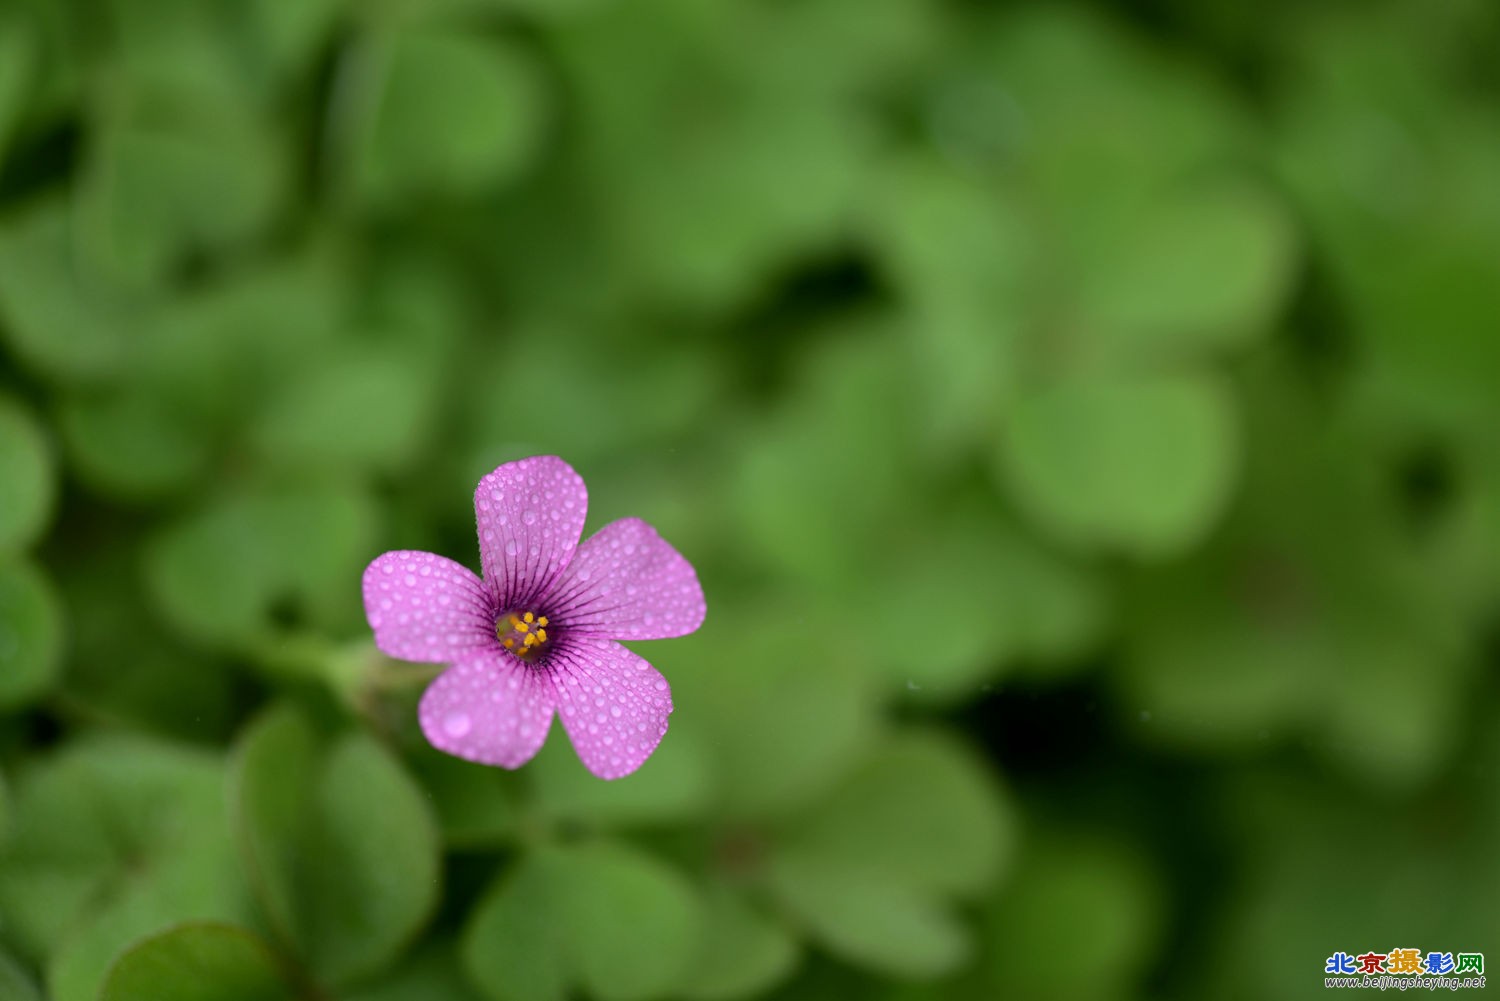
(626, 582)
(530, 515)
(490, 708)
(425, 607)
(613, 704)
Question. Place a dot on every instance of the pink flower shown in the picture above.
(537, 634)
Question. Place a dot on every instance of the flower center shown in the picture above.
(522, 633)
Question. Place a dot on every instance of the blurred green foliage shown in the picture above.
(1082, 418)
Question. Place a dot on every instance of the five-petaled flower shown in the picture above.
(536, 635)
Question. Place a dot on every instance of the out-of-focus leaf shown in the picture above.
(27, 477)
(178, 179)
(218, 575)
(889, 928)
(962, 254)
(835, 468)
(1283, 623)
(455, 114)
(198, 962)
(744, 170)
(58, 316)
(133, 443)
(672, 786)
(616, 398)
(339, 842)
(1094, 902)
(921, 812)
(1204, 268)
(1142, 464)
(18, 62)
(114, 838)
(1005, 600)
(15, 983)
(515, 944)
(434, 974)
(868, 868)
(361, 408)
(742, 952)
(31, 633)
(606, 919)
(122, 666)
(1303, 889)
(780, 714)
(476, 805)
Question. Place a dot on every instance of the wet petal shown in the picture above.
(613, 704)
(530, 516)
(425, 607)
(490, 708)
(626, 582)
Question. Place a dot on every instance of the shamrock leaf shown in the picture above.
(31, 633)
(1139, 463)
(741, 952)
(113, 838)
(198, 961)
(15, 983)
(284, 544)
(1093, 901)
(869, 868)
(338, 841)
(459, 114)
(600, 917)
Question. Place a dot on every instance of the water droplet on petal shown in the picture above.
(456, 725)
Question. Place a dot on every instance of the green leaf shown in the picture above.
(27, 477)
(1206, 268)
(31, 633)
(868, 868)
(781, 713)
(19, 58)
(1142, 464)
(602, 917)
(476, 805)
(113, 839)
(1093, 901)
(364, 407)
(516, 941)
(742, 952)
(133, 442)
(826, 481)
(458, 114)
(219, 574)
(15, 983)
(198, 962)
(177, 178)
(434, 974)
(968, 553)
(339, 842)
(673, 785)
(59, 319)
(887, 928)
(920, 812)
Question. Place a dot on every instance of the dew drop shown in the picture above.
(457, 725)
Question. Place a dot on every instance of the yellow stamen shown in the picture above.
(522, 633)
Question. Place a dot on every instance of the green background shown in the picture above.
(1082, 419)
